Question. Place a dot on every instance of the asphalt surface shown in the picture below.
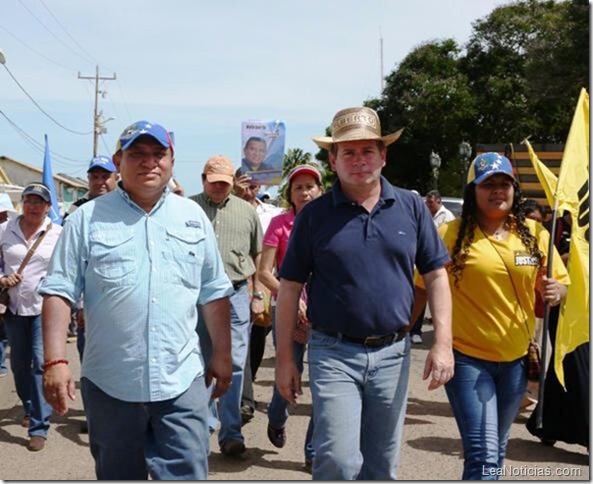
(430, 451)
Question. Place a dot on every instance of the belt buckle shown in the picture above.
(373, 341)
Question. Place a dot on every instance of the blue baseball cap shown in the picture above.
(103, 163)
(487, 164)
(141, 128)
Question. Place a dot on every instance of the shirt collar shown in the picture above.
(216, 205)
(122, 191)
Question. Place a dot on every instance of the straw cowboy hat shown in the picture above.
(353, 124)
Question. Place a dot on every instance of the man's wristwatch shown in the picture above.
(258, 295)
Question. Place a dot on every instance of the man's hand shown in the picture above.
(58, 387)
(257, 306)
(241, 185)
(440, 365)
(220, 369)
(288, 380)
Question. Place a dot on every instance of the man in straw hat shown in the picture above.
(356, 247)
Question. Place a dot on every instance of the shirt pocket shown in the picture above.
(112, 256)
(184, 256)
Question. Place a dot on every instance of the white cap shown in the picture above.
(6, 204)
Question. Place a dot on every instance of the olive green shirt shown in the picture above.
(238, 234)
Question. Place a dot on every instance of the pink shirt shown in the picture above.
(278, 234)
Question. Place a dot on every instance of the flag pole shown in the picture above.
(539, 409)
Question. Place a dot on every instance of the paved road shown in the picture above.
(431, 448)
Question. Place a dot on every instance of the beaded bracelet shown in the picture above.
(51, 363)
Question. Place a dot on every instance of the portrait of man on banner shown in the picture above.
(263, 145)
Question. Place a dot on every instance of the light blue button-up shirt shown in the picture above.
(141, 275)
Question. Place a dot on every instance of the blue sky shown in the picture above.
(200, 68)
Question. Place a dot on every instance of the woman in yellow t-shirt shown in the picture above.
(498, 258)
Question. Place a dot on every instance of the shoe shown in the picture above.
(3, 372)
(36, 443)
(25, 422)
(84, 427)
(232, 448)
(548, 442)
(416, 339)
(277, 436)
(247, 414)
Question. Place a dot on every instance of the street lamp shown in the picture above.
(435, 163)
(465, 151)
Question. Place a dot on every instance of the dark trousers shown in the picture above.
(255, 354)
(417, 328)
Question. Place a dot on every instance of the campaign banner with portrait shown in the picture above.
(263, 144)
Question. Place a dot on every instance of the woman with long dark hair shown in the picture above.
(498, 259)
(304, 185)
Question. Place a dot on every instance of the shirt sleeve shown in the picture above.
(272, 237)
(559, 270)
(256, 235)
(431, 253)
(298, 260)
(65, 274)
(215, 284)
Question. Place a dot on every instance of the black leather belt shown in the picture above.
(369, 341)
(239, 284)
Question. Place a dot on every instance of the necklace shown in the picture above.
(501, 232)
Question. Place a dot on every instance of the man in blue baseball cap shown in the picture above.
(101, 176)
(130, 253)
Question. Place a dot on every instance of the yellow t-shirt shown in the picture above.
(488, 320)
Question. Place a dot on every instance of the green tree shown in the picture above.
(428, 95)
(519, 74)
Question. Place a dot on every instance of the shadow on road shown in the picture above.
(428, 407)
(254, 457)
(534, 451)
(440, 445)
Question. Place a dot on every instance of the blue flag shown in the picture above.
(48, 180)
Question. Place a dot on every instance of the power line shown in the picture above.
(36, 144)
(66, 31)
(35, 51)
(37, 104)
(52, 34)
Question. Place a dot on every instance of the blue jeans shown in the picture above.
(80, 341)
(130, 440)
(359, 397)
(26, 360)
(485, 397)
(228, 410)
(278, 409)
(3, 345)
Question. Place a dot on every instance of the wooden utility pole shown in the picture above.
(98, 127)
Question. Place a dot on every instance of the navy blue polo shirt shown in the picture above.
(360, 264)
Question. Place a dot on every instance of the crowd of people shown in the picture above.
(174, 297)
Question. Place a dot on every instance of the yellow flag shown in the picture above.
(572, 193)
(545, 176)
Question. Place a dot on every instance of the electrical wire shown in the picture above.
(36, 144)
(24, 44)
(82, 49)
(52, 34)
(41, 109)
